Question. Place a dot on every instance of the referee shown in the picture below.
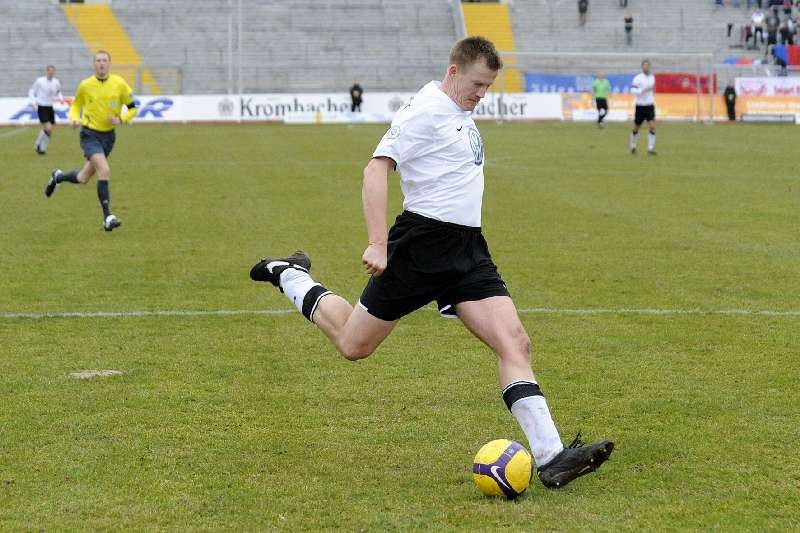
(97, 107)
(601, 87)
(436, 252)
(44, 91)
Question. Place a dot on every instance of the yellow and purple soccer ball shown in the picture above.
(502, 468)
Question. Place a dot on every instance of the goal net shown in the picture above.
(686, 85)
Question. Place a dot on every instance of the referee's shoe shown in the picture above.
(574, 461)
(270, 269)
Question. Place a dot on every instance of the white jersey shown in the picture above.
(644, 87)
(44, 91)
(439, 155)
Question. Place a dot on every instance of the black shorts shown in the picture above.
(431, 260)
(96, 142)
(644, 112)
(602, 103)
(46, 114)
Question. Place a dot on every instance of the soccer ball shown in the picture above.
(502, 468)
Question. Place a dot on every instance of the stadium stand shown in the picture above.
(193, 47)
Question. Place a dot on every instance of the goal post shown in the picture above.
(686, 82)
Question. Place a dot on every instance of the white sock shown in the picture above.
(651, 141)
(45, 141)
(302, 291)
(534, 418)
(39, 140)
(634, 137)
(525, 401)
(296, 284)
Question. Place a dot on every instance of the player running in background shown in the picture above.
(644, 87)
(601, 87)
(44, 91)
(97, 107)
(436, 251)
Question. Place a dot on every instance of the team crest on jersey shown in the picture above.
(476, 144)
(393, 133)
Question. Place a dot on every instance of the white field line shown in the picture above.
(15, 131)
(269, 312)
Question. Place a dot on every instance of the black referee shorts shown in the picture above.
(431, 260)
(46, 114)
(602, 103)
(644, 112)
(96, 142)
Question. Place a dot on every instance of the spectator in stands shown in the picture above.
(583, 7)
(787, 8)
(730, 101)
(787, 36)
(780, 56)
(757, 19)
(355, 96)
(773, 24)
(623, 3)
(628, 29)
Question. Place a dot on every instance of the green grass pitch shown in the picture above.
(252, 421)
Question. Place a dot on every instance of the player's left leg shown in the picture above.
(494, 320)
(103, 170)
(72, 176)
(651, 137)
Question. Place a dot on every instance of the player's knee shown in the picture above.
(353, 351)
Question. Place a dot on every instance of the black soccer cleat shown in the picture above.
(574, 461)
(652, 152)
(633, 151)
(51, 183)
(111, 222)
(270, 269)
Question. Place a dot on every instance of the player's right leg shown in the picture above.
(495, 321)
(635, 133)
(354, 332)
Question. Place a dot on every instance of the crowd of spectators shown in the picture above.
(771, 24)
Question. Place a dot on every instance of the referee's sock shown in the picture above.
(526, 402)
(71, 176)
(104, 196)
(304, 293)
(651, 141)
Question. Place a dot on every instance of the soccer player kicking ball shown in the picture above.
(97, 107)
(435, 251)
(644, 87)
(44, 91)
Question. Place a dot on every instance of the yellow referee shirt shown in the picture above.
(98, 100)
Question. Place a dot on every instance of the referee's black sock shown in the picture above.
(104, 196)
(71, 176)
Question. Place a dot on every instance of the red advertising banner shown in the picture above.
(794, 54)
(682, 83)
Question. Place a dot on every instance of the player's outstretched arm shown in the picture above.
(374, 193)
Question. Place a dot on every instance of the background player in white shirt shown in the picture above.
(436, 251)
(44, 91)
(644, 87)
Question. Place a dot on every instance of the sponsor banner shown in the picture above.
(779, 86)
(683, 83)
(540, 82)
(294, 108)
(581, 106)
(766, 105)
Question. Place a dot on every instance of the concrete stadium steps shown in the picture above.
(659, 26)
(100, 30)
(33, 34)
(301, 45)
(493, 21)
